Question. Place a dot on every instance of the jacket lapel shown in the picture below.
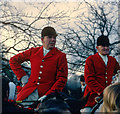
(100, 60)
(50, 53)
(40, 52)
(108, 63)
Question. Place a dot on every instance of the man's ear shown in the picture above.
(42, 39)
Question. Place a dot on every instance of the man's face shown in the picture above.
(49, 42)
(103, 50)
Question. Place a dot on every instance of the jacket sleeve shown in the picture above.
(16, 61)
(90, 77)
(61, 75)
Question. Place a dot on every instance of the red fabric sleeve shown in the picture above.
(15, 63)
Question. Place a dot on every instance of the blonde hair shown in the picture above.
(111, 98)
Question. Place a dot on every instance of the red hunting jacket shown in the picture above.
(98, 76)
(48, 73)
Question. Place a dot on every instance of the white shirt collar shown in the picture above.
(105, 58)
(83, 87)
(45, 51)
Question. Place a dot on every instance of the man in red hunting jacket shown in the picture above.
(99, 69)
(49, 68)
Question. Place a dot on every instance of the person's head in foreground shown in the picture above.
(111, 98)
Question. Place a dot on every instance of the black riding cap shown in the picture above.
(103, 40)
(48, 31)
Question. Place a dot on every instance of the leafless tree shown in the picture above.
(21, 29)
(80, 41)
(77, 28)
(21, 24)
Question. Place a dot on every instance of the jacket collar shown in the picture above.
(101, 60)
(49, 54)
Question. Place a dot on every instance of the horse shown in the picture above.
(74, 104)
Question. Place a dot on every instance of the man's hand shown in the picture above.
(97, 99)
(24, 80)
(41, 99)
